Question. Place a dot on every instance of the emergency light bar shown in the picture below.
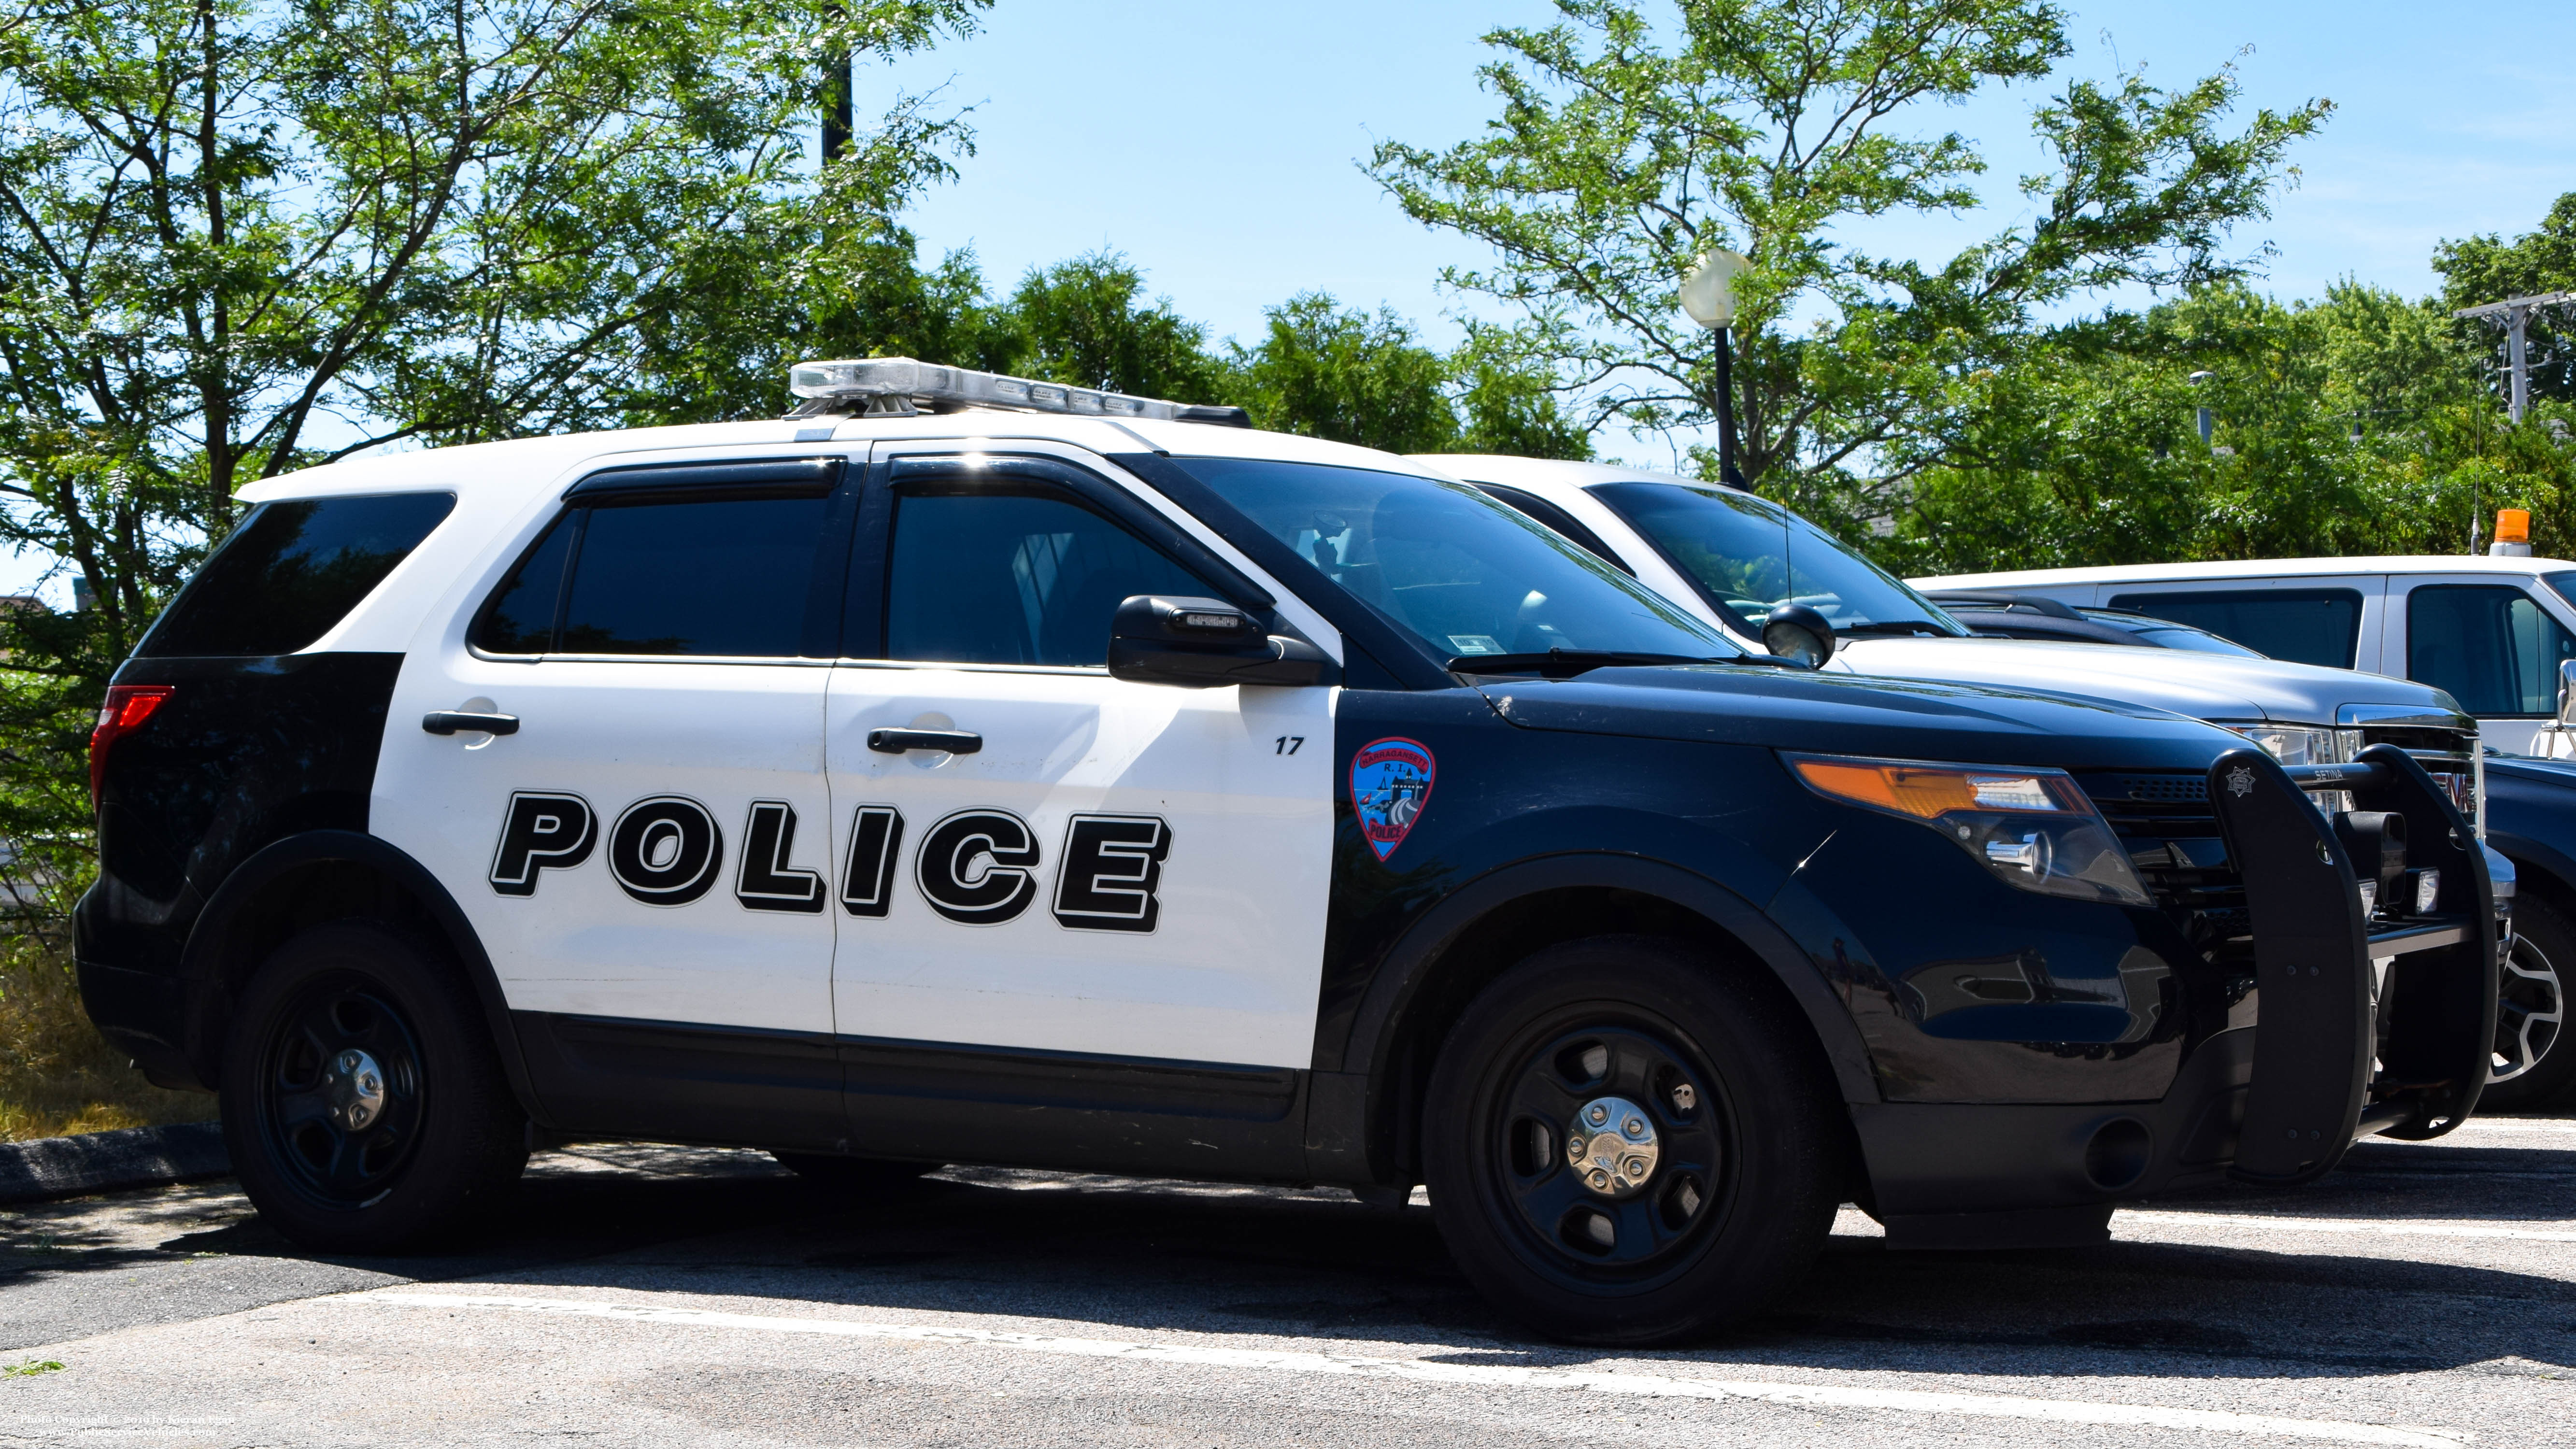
(900, 386)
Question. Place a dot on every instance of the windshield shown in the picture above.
(1751, 555)
(1458, 571)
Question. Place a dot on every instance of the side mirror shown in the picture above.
(2567, 692)
(1158, 639)
(1794, 631)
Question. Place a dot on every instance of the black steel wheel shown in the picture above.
(1628, 1143)
(2534, 1062)
(363, 1102)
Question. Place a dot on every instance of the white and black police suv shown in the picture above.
(968, 769)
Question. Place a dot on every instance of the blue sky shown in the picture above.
(1218, 145)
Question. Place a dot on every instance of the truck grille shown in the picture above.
(2449, 753)
(2166, 824)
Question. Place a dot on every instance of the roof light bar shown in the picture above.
(899, 385)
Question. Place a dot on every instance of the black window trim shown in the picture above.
(821, 475)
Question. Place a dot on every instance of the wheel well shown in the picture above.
(295, 900)
(1511, 933)
(2531, 878)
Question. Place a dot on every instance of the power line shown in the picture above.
(2511, 314)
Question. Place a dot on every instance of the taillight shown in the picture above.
(127, 707)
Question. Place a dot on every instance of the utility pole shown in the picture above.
(2513, 314)
(838, 84)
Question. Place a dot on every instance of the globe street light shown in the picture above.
(1708, 297)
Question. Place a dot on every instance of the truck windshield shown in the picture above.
(1750, 555)
(1458, 571)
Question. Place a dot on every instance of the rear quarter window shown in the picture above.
(2305, 626)
(292, 570)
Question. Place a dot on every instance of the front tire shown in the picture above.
(1627, 1144)
(2534, 1059)
(363, 1100)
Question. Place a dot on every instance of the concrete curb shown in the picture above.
(51, 1167)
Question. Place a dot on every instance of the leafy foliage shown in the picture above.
(1617, 158)
(2482, 269)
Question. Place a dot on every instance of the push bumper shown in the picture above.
(2363, 1025)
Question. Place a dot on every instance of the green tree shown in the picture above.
(240, 237)
(1085, 322)
(2482, 269)
(1628, 145)
(1348, 376)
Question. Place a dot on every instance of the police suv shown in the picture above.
(968, 769)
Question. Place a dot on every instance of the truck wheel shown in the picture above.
(363, 1101)
(854, 1174)
(2535, 1062)
(1624, 1144)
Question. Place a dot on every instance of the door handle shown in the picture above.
(453, 721)
(954, 742)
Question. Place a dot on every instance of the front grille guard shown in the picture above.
(2315, 1088)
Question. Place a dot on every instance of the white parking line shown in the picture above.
(2336, 1225)
(1991, 1406)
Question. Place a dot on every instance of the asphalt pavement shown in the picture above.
(2423, 1295)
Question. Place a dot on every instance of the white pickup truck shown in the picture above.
(2489, 632)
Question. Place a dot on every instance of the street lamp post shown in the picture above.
(1708, 297)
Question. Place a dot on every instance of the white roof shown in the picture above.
(2255, 568)
(522, 465)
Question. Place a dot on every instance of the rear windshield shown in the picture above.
(293, 569)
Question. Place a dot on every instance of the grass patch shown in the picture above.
(57, 1074)
(30, 1368)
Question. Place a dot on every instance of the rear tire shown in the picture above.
(1704, 1080)
(2531, 1014)
(364, 1103)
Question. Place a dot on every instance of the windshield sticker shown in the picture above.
(1476, 644)
(1390, 785)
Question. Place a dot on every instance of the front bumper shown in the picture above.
(2345, 1048)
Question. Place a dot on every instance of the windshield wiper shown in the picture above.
(1567, 663)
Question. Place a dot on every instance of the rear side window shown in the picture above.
(690, 576)
(2305, 626)
(2490, 647)
(294, 568)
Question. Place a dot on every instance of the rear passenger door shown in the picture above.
(646, 854)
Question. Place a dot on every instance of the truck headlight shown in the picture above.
(2032, 828)
(2292, 745)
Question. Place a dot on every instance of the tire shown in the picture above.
(363, 1100)
(854, 1174)
(2535, 1059)
(1740, 1191)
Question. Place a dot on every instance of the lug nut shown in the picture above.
(1598, 1115)
(1599, 1178)
(1637, 1169)
(1636, 1126)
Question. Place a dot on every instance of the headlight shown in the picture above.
(2033, 828)
(2292, 745)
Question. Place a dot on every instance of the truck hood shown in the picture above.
(1797, 709)
(2204, 686)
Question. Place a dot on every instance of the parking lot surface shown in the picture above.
(2423, 1295)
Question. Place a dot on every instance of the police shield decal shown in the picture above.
(1390, 785)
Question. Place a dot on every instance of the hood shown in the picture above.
(1797, 709)
(2204, 686)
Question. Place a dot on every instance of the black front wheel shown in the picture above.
(363, 1102)
(1625, 1143)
